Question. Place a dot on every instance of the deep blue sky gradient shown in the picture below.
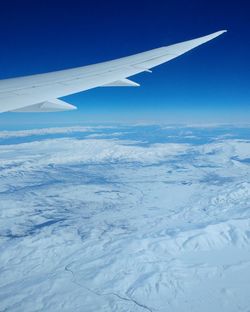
(209, 84)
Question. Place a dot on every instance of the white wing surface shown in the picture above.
(40, 93)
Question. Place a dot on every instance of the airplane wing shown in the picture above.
(40, 93)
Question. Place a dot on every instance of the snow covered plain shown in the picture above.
(125, 218)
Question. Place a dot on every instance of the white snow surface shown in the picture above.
(103, 221)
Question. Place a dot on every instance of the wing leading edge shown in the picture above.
(40, 92)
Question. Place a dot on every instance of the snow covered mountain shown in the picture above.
(125, 218)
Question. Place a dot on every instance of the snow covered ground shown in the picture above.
(125, 218)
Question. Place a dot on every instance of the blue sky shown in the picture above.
(209, 84)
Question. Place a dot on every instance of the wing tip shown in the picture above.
(215, 34)
(220, 32)
(209, 37)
